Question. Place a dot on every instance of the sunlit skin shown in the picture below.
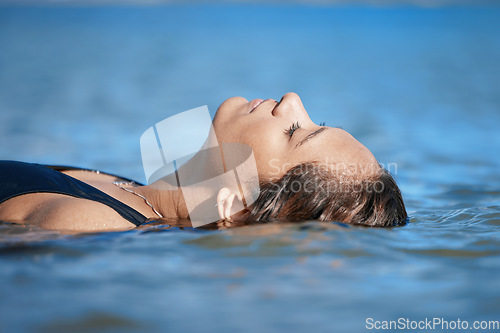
(266, 128)
(281, 135)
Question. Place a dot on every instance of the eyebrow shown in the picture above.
(310, 136)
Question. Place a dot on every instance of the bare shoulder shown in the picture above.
(75, 214)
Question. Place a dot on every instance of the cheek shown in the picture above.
(265, 137)
(260, 135)
(268, 144)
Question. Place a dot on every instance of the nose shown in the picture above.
(291, 107)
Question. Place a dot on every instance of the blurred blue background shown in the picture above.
(417, 85)
(80, 85)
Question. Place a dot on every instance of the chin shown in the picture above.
(230, 108)
(232, 103)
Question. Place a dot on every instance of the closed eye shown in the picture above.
(292, 129)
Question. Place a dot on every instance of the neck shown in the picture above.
(165, 195)
(169, 203)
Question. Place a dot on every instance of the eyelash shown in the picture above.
(322, 124)
(292, 129)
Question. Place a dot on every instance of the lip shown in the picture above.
(254, 103)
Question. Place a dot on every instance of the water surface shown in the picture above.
(418, 87)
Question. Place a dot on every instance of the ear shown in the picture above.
(228, 203)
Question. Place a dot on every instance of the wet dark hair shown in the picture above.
(309, 192)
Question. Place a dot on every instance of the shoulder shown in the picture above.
(74, 214)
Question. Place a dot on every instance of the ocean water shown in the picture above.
(419, 87)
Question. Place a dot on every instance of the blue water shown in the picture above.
(419, 87)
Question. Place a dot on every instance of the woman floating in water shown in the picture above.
(305, 172)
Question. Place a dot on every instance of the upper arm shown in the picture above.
(75, 214)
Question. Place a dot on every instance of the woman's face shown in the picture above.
(282, 135)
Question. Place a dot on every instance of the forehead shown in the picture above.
(334, 146)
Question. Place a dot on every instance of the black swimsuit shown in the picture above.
(18, 178)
